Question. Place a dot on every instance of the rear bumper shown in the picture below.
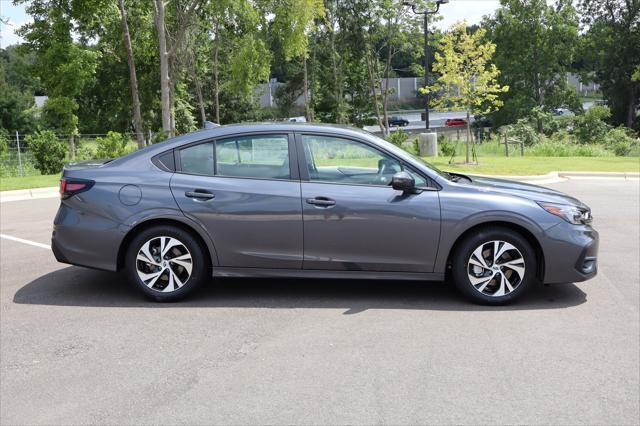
(571, 253)
(85, 239)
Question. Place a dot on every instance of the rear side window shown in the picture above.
(261, 157)
(197, 159)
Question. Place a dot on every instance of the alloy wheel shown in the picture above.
(164, 264)
(496, 268)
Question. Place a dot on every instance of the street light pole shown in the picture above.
(426, 14)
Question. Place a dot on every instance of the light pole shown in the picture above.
(426, 13)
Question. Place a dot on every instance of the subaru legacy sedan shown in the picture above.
(313, 201)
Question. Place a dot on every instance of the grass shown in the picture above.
(525, 166)
(26, 182)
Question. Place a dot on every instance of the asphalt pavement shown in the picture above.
(79, 346)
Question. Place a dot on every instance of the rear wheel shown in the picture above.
(494, 266)
(166, 263)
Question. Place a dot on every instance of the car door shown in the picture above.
(246, 191)
(353, 219)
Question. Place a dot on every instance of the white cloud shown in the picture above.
(470, 10)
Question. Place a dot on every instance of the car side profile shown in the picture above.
(398, 121)
(307, 200)
(451, 122)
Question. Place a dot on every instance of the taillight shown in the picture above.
(70, 187)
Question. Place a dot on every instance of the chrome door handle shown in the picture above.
(321, 202)
(199, 195)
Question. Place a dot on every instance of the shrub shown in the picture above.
(4, 142)
(591, 127)
(112, 146)
(48, 151)
(564, 148)
(620, 141)
(524, 132)
(398, 137)
(447, 147)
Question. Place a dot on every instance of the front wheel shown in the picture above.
(166, 263)
(494, 266)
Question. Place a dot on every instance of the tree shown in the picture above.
(133, 79)
(293, 21)
(612, 51)
(467, 78)
(535, 48)
(165, 89)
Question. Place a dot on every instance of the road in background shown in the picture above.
(81, 346)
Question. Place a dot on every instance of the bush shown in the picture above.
(447, 147)
(48, 151)
(398, 137)
(524, 132)
(620, 141)
(565, 148)
(591, 127)
(4, 142)
(112, 146)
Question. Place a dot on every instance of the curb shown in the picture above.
(29, 194)
(551, 177)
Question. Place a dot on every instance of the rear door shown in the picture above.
(246, 191)
(353, 219)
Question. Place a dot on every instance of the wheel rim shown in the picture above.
(496, 268)
(164, 264)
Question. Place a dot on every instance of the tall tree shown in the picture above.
(612, 51)
(293, 21)
(535, 48)
(467, 78)
(165, 89)
(133, 79)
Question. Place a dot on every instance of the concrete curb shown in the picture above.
(551, 177)
(29, 194)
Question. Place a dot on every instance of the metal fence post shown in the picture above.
(19, 157)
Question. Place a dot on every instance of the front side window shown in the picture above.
(261, 156)
(337, 160)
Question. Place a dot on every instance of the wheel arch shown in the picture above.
(203, 240)
(521, 230)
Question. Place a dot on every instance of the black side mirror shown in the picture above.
(402, 181)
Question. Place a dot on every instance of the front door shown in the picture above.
(354, 220)
(246, 194)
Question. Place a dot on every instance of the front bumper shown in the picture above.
(571, 253)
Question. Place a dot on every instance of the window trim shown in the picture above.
(291, 147)
(304, 173)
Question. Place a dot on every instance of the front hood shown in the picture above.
(524, 190)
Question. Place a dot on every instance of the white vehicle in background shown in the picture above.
(300, 119)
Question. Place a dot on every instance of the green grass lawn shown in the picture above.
(525, 166)
(40, 181)
(489, 165)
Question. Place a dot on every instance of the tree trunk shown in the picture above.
(133, 79)
(373, 80)
(468, 136)
(385, 98)
(631, 110)
(72, 147)
(203, 116)
(165, 87)
(216, 86)
(337, 84)
(305, 91)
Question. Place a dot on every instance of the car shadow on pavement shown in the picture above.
(74, 286)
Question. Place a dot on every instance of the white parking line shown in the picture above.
(20, 240)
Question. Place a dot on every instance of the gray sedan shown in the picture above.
(303, 200)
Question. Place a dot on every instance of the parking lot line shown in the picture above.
(20, 240)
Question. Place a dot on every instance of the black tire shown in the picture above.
(465, 249)
(199, 263)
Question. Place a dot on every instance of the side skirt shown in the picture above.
(316, 273)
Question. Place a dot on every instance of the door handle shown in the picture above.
(200, 194)
(321, 201)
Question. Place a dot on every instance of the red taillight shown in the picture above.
(70, 187)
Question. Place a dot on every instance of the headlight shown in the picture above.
(571, 214)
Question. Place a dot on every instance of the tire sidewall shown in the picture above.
(198, 272)
(469, 244)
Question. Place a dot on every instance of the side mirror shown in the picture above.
(402, 181)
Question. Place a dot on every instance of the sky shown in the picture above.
(456, 10)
